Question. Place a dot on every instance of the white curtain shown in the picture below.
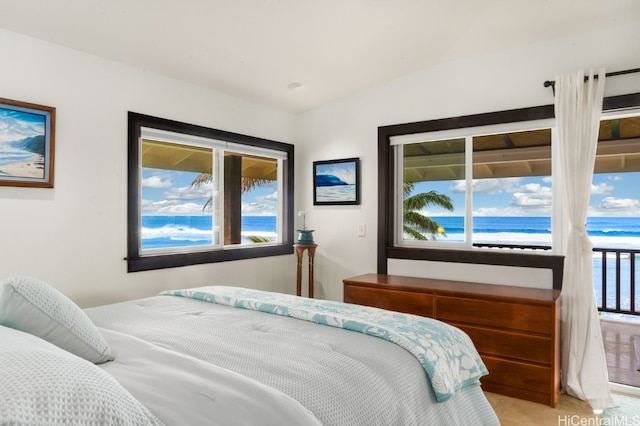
(578, 107)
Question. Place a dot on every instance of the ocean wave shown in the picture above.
(336, 193)
(477, 231)
(631, 233)
(176, 233)
(620, 242)
(501, 237)
(189, 233)
(11, 155)
(517, 238)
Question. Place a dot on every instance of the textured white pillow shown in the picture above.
(35, 307)
(40, 384)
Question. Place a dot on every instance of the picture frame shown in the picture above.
(336, 182)
(26, 144)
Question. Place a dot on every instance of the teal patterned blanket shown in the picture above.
(446, 353)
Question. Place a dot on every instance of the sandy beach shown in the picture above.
(33, 168)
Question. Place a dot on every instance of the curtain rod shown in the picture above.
(552, 83)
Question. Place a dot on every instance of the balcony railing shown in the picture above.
(614, 276)
(616, 284)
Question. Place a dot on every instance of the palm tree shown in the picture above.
(418, 226)
(247, 184)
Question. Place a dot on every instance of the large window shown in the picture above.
(486, 188)
(613, 221)
(199, 195)
(479, 189)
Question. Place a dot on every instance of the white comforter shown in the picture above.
(182, 390)
(341, 376)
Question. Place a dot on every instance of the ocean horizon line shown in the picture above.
(530, 230)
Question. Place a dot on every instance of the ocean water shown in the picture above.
(184, 231)
(336, 193)
(10, 155)
(605, 232)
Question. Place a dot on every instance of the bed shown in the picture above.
(222, 355)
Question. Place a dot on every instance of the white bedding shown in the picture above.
(446, 353)
(182, 390)
(342, 377)
(42, 384)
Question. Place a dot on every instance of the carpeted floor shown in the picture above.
(569, 411)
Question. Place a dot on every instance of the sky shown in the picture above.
(612, 194)
(17, 125)
(166, 192)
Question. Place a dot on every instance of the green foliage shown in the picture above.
(415, 224)
(246, 185)
(258, 239)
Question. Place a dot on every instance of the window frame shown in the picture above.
(137, 262)
(467, 134)
(387, 198)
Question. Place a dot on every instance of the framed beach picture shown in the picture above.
(336, 182)
(26, 144)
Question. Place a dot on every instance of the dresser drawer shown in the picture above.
(518, 375)
(514, 316)
(526, 347)
(516, 330)
(401, 301)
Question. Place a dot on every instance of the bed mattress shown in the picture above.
(189, 361)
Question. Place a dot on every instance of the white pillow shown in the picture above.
(35, 307)
(40, 384)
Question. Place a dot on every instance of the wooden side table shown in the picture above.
(300, 248)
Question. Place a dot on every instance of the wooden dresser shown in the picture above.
(516, 329)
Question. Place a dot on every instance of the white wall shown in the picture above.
(500, 81)
(74, 236)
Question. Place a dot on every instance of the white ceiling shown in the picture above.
(257, 49)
